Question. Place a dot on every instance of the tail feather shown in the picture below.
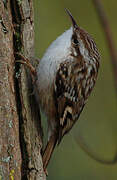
(49, 150)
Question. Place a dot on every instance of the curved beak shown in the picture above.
(74, 24)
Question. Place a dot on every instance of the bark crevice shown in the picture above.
(23, 137)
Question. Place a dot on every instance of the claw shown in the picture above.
(46, 172)
(27, 62)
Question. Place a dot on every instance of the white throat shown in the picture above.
(57, 52)
(60, 47)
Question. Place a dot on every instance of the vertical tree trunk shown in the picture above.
(20, 125)
(10, 153)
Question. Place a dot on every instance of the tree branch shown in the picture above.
(20, 122)
(80, 141)
(10, 154)
(30, 120)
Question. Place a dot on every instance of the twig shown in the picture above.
(93, 155)
(108, 34)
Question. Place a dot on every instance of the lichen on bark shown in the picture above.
(20, 125)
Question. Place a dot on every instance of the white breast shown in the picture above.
(55, 54)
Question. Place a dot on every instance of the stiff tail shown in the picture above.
(49, 150)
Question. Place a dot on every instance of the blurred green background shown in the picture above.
(98, 122)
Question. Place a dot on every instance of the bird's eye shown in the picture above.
(75, 41)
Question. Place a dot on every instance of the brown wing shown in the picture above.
(69, 95)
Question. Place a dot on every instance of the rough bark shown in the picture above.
(10, 155)
(20, 138)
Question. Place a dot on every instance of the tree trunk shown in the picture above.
(20, 124)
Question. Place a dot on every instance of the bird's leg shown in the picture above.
(49, 150)
(26, 61)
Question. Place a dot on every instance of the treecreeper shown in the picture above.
(65, 78)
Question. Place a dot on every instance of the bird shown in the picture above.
(65, 77)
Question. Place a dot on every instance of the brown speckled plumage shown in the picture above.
(66, 76)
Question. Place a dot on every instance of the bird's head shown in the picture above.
(82, 43)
